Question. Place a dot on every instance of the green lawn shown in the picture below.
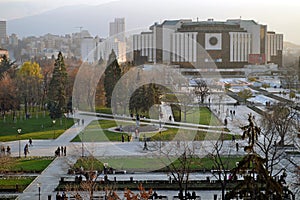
(201, 115)
(35, 128)
(140, 164)
(14, 183)
(26, 165)
(97, 131)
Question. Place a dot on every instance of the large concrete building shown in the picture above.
(117, 29)
(228, 44)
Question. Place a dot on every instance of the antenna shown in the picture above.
(80, 29)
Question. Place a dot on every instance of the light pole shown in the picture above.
(82, 149)
(39, 189)
(53, 121)
(19, 133)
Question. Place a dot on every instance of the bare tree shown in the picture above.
(221, 166)
(201, 90)
(282, 117)
(178, 159)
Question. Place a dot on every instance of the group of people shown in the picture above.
(61, 151)
(7, 150)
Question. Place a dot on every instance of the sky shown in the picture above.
(281, 16)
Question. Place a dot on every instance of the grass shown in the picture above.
(201, 115)
(97, 131)
(35, 128)
(26, 165)
(140, 164)
(14, 183)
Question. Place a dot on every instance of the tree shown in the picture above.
(30, 78)
(221, 165)
(112, 75)
(57, 89)
(5, 65)
(283, 119)
(178, 159)
(201, 90)
(8, 96)
(257, 182)
(245, 94)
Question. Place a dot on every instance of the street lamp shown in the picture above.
(82, 149)
(39, 189)
(19, 133)
(53, 121)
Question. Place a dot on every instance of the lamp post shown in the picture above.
(39, 189)
(82, 149)
(19, 133)
(53, 121)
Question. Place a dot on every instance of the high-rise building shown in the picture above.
(2, 32)
(117, 29)
(227, 44)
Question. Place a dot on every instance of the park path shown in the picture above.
(50, 177)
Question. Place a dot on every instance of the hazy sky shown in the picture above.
(282, 16)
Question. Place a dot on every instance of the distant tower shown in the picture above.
(2, 32)
(117, 29)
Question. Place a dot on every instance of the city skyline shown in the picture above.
(279, 16)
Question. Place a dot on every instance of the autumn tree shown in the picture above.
(57, 98)
(30, 78)
(112, 75)
(245, 94)
(9, 99)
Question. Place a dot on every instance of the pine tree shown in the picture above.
(112, 75)
(57, 89)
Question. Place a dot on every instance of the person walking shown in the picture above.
(30, 142)
(237, 146)
(26, 151)
(8, 150)
(65, 151)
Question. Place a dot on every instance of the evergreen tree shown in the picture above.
(5, 65)
(57, 99)
(112, 75)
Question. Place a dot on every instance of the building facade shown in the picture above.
(227, 44)
(117, 29)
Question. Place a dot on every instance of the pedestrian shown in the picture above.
(65, 151)
(237, 146)
(30, 142)
(26, 151)
(170, 118)
(82, 122)
(128, 138)
(8, 150)
(123, 138)
(78, 122)
(233, 138)
(58, 196)
(58, 151)
(225, 122)
(234, 112)
(145, 145)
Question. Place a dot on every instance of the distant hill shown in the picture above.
(95, 19)
(290, 45)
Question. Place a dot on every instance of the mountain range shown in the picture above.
(95, 19)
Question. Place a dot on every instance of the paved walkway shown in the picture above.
(59, 167)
